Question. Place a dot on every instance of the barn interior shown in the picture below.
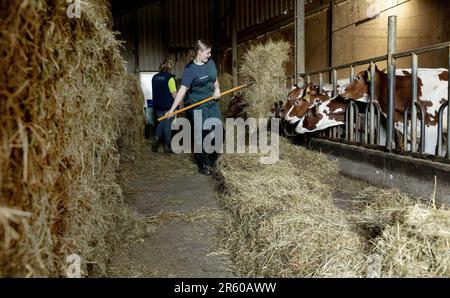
(84, 193)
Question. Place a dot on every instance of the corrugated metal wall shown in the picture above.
(253, 12)
(128, 27)
(151, 48)
(189, 20)
(166, 29)
(141, 32)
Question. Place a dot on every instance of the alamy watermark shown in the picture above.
(73, 266)
(258, 141)
(374, 266)
(73, 9)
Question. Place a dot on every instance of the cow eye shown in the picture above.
(357, 78)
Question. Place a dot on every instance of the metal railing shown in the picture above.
(372, 122)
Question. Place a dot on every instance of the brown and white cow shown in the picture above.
(432, 93)
(323, 115)
(295, 93)
(301, 105)
(310, 95)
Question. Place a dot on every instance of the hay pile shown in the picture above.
(265, 64)
(130, 118)
(61, 100)
(283, 222)
(226, 83)
(412, 238)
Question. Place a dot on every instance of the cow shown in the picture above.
(298, 109)
(322, 115)
(432, 93)
(295, 108)
(295, 93)
(341, 84)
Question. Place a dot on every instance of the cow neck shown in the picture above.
(335, 105)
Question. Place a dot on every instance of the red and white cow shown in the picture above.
(295, 93)
(311, 95)
(432, 93)
(323, 115)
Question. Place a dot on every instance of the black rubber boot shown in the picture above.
(155, 145)
(212, 159)
(167, 149)
(201, 163)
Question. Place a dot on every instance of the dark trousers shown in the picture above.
(208, 110)
(164, 130)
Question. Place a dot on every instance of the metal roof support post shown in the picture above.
(320, 82)
(372, 108)
(392, 48)
(335, 93)
(351, 112)
(414, 70)
(448, 112)
(234, 50)
(299, 38)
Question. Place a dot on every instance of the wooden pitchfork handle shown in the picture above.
(204, 101)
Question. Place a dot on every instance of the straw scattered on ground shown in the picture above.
(283, 221)
(411, 236)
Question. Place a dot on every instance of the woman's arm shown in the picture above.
(178, 99)
(216, 89)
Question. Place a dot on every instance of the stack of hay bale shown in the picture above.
(62, 103)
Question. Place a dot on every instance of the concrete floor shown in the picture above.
(168, 190)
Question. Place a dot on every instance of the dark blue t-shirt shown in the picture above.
(200, 80)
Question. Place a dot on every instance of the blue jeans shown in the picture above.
(164, 129)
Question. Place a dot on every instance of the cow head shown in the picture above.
(301, 105)
(296, 92)
(359, 88)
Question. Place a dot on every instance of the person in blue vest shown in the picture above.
(164, 91)
(199, 82)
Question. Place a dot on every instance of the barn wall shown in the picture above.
(163, 29)
(166, 29)
(317, 45)
(128, 32)
(140, 30)
(151, 50)
(419, 23)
